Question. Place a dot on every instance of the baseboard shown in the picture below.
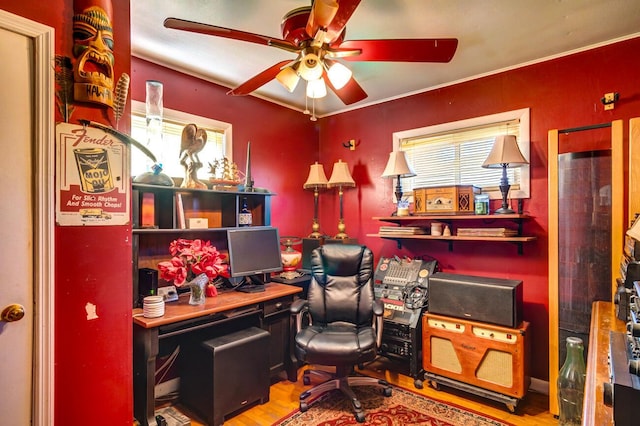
(167, 387)
(539, 386)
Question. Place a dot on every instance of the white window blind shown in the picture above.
(453, 153)
(455, 158)
(167, 151)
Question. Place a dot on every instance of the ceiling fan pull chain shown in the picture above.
(313, 108)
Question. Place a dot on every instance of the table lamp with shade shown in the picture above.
(398, 167)
(316, 180)
(341, 178)
(504, 154)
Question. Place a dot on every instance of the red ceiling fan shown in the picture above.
(316, 34)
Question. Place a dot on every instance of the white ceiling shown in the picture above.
(493, 35)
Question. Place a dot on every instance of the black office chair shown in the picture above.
(344, 321)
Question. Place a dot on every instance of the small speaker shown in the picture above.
(147, 282)
(490, 300)
(226, 374)
(485, 356)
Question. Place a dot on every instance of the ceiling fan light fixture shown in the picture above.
(316, 89)
(339, 75)
(289, 78)
(310, 67)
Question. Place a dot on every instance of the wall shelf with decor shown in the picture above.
(161, 214)
(457, 223)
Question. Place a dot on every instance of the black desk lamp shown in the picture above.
(505, 154)
(398, 167)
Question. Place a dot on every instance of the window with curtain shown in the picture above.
(167, 150)
(453, 153)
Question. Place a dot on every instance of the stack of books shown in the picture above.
(487, 232)
(404, 230)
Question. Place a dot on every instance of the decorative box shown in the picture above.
(457, 199)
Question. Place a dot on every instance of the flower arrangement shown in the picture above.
(191, 258)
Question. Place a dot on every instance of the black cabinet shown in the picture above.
(277, 321)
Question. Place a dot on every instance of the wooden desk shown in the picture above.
(603, 320)
(181, 318)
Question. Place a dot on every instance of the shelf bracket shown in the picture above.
(520, 248)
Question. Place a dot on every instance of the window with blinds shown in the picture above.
(453, 153)
(167, 151)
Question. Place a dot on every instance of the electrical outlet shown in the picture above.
(609, 100)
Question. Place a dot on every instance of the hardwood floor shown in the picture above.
(533, 410)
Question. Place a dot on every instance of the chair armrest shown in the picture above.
(378, 310)
(298, 306)
(378, 307)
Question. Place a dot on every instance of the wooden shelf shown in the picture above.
(452, 238)
(519, 239)
(451, 217)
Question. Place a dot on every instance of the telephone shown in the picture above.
(168, 293)
(404, 281)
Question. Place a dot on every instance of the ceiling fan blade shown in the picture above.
(258, 80)
(351, 93)
(322, 13)
(196, 27)
(335, 28)
(403, 50)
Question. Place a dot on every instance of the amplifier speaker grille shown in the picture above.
(496, 368)
(444, 355)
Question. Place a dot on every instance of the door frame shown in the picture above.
(43, 38)
(617, 234)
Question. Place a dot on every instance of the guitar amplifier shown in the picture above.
(494, 360)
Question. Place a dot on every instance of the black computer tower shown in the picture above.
(225, 374)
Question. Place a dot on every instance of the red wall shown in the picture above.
(93, 358)
(562, 93)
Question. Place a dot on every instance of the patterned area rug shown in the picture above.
(403, 407)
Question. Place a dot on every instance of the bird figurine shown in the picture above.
(193, 141)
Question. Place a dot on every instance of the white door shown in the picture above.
(16, 235)
(21, 239)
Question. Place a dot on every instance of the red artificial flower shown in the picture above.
(192, 258)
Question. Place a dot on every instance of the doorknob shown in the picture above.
(13, 313)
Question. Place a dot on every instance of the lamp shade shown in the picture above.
(398, 166)
(340, 175)
(288, 78)
(317, 178)
(316, 89)
(505, 151)
(339, 75)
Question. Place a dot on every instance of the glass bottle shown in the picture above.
(571, 380)
(245, 217)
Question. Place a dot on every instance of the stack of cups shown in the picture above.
(153, 306)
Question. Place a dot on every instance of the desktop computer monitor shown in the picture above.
(253, 253)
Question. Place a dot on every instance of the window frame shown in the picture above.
(524, 143)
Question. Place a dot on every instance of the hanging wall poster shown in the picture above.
(92, 177)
